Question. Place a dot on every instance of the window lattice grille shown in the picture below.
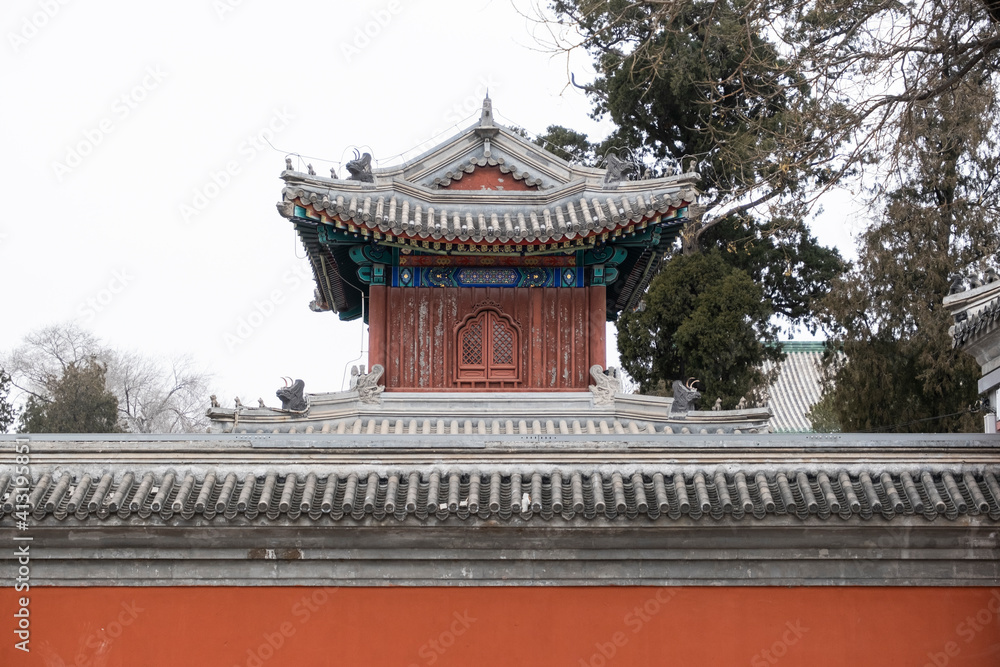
(488, 350)
(472, 344)
(503, 343)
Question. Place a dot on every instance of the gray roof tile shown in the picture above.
(462, 491)
(798, 387)
(477, 217)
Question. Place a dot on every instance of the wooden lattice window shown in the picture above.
(488, 346)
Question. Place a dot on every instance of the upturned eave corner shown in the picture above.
(976, 313)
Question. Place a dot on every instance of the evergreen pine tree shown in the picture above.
(900, 371)
(78, 402)
(718, 105)
(7, 411)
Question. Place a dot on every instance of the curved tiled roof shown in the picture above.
(410, 212)
(976, 310)
(798, 386)
(554, 207)
(978, 323)
(412, 201)
(427, 426)
(456, 413)
(470, 491)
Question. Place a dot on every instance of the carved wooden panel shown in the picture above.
(488, 348)
(487, 338)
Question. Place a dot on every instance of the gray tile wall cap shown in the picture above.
(767, 479)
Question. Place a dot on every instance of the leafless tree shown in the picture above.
(45, 353)
(154, 396)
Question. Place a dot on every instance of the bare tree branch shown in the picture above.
(824, 84)
(153, 396)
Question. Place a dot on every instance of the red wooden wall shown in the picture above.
(488, 178)
(412, 334)
(505, 626)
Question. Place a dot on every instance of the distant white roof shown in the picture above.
(798, 387)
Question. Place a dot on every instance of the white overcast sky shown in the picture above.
(140, 194)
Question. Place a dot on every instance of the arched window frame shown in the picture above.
(489, 372)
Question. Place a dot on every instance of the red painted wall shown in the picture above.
(488, 178)
(576, 627)
(411, 333)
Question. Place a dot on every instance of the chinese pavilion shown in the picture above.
(487, 263)
(486, 269)
(486, 494)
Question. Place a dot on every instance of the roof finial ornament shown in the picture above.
(618, 169)
(361, 168)
(367, 386)
(607, 383)
(685, 396)
(486, 119)
(487, 129)
(292, 397)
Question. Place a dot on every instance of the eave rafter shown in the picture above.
(389, 215)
